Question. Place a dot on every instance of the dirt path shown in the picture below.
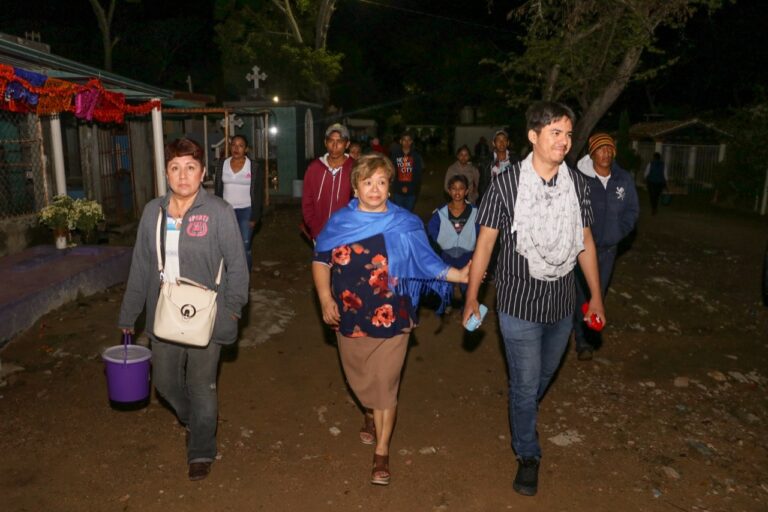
(671, 415)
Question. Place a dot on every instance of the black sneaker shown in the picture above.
(527, 478)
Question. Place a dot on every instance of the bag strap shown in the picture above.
(160, 260)
(218, 277)
(160, 256)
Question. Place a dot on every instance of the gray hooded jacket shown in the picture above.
(210, 232)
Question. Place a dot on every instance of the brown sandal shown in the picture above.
(380, 474)
(368, 431)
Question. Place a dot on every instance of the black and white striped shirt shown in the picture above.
(517, 293)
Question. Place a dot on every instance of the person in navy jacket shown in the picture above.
(615, 209)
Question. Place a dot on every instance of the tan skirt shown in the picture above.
(373, 367)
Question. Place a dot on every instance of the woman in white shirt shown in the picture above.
(240, 182)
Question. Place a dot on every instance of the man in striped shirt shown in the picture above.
(540, 212)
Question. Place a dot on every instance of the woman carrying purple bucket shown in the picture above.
(200, 230)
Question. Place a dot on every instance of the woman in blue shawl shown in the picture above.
(372, 262)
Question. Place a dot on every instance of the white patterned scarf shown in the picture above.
(548, 222)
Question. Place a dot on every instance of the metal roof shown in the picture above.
(31, 59)
(658, 129)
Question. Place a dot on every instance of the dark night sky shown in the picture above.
(435, 44)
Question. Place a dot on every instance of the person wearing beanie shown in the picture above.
(615, 209)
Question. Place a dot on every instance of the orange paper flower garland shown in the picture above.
(25, 91)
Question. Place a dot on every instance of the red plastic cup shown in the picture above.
(593, 322)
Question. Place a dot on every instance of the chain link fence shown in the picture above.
(24, 187)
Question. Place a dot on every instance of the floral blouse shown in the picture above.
(360, 285)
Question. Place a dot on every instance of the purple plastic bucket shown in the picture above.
(127, 369)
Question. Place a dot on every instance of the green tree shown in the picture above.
(741, 175)
(587, 51)
(286, 38)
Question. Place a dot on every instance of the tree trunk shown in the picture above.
(549, 87)
(285, 7)
(105, 21)
(323, 22)
(604, 100)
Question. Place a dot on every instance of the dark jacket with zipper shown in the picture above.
(615, 207)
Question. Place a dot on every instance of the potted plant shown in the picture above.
(58, 216)
(87, 214)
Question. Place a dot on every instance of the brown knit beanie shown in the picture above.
(600, 139)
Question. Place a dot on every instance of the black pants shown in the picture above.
(654, 192)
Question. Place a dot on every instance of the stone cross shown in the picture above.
(233, 121)
(189, 82)
(255, 76)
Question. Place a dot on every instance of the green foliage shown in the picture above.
(573, 48)
(741, 175)
(585, 52)
(261, 33)
(65, 213)
(87, 214)
(58, 215)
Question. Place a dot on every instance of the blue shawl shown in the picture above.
(414, 268)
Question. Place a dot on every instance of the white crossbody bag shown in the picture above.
(186, 310)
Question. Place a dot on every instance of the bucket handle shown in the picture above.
(126, 341)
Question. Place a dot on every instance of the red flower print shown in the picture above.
(357, 332)
(379, 280)
(359, 249)
(383, 316)
(350, 301)
(379, 261)
(341, 255)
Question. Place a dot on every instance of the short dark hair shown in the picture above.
(458, 177)
(544, 113)
(184, 147)
(238, 136)
(462, 148)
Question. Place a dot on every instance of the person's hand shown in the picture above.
(331, 314)
(252, 224)
(125, 330)
(471, 307)
(595, 307)
(464, 273)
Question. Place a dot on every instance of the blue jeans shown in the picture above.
(585, 337)
(246, 232)
(533, 352)
(186, 378)
(406, 201)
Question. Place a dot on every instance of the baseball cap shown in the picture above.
(339, 128)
